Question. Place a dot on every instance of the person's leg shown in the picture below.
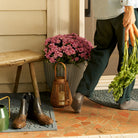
(125, 101)
(105, 42)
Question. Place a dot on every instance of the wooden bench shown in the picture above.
(18, 58)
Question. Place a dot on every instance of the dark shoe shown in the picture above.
(20, 120)
(77, 102)
(36, 113)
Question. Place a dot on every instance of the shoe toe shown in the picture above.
(76, 105)
(19, 122)
(44, 120)
(19, 125)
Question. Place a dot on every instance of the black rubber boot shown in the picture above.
(20, 120)
(35, 112)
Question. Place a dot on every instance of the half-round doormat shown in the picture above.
(106, 99)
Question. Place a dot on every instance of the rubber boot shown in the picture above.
(20, 120)
(35, 112)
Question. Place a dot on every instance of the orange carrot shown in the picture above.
(132, 36)
(135, 30)
(127, 38)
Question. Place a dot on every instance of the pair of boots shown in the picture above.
(30, 108)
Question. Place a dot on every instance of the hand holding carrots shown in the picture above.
(129, 68)
(132, 32)
(129, 17)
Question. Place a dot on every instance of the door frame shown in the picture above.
(65, 16)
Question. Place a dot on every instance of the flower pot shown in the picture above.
(74, 74)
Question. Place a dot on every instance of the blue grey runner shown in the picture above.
(106, 99)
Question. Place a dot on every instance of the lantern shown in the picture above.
(61, 94)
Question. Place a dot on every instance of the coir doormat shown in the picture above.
(106, 99)
(47, 109)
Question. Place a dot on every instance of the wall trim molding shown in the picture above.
(23, 87)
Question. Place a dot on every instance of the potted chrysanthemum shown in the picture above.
(72, 50)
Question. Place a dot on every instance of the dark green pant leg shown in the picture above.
(128, 90)
(105, 41)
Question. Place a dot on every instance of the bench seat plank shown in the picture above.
(19, 57)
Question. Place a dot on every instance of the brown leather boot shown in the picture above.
(20, 120)
(35, 112)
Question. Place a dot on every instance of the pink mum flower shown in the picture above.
(68, 48)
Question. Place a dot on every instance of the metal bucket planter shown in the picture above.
(74, 74)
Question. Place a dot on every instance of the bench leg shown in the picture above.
(18, 74)
(34, 81)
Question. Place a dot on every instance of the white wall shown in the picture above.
(25, 24)
(22, 26)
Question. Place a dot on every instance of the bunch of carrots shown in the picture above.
(129, 68)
